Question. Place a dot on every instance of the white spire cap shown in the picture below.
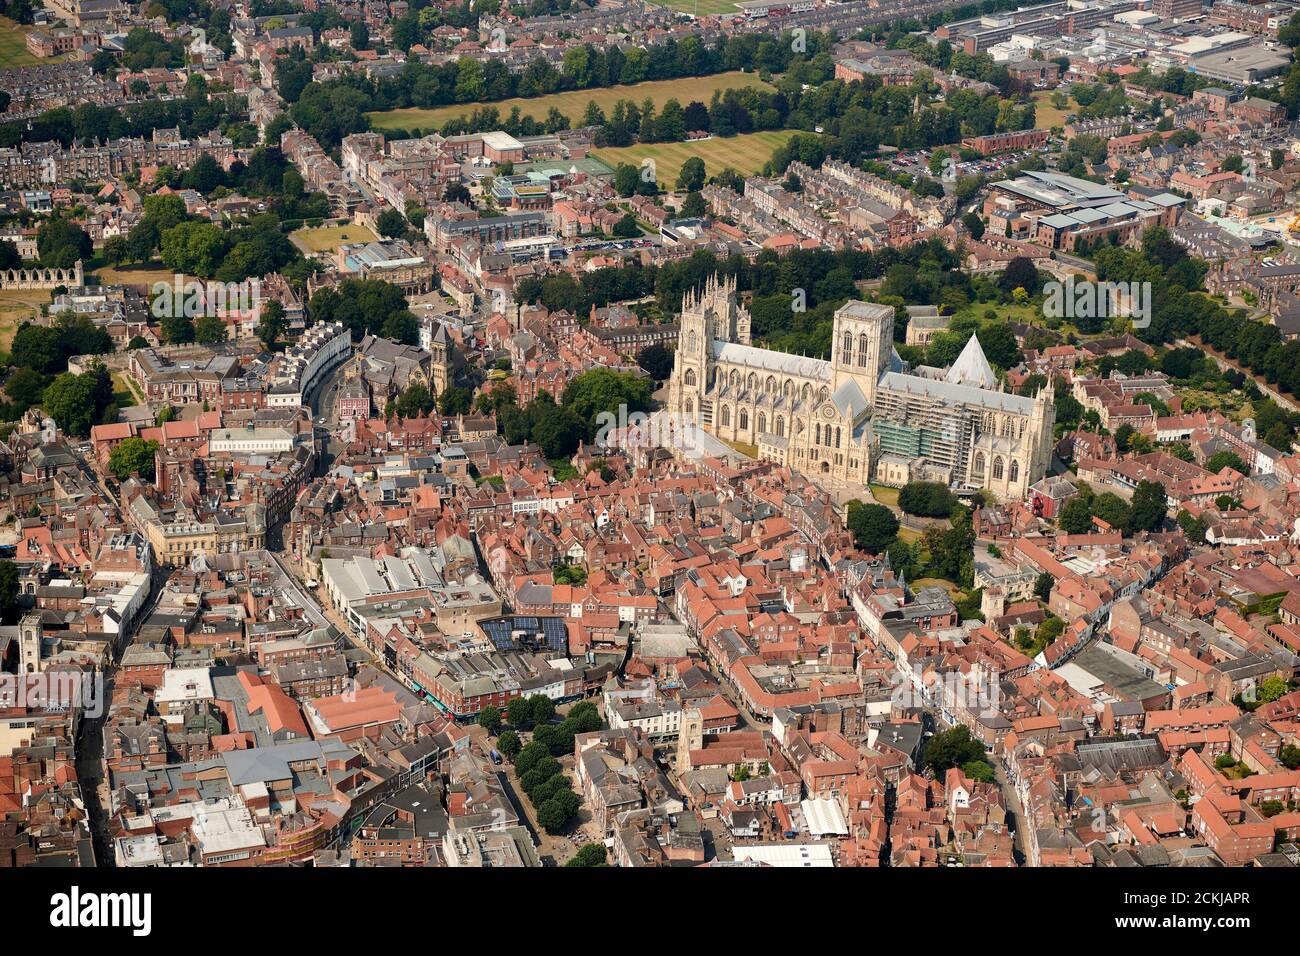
(972, 368)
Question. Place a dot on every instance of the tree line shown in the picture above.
(1180, 308)
(194, 114)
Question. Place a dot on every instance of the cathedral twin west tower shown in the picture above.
(862, 416)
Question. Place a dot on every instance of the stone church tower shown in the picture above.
(29, 644)
(709, 315)
(862, 346)
(440, 348)
(690, 736)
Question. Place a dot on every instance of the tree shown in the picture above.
(604, 390)
(626, 179)
(489, 718)
(694, 206)
(1290, 757)
(270, 323)
(585, 717)
(952, 748)
(70, 401)
(359, 35)
(133, 456)
(205, 175)
(874, 526)
(999, 344)
(38, 347)
(1193, 528)
(555, 813)
(974, 225)
(209, 329)
(690, 177)
(60, 243)
(627, 228)
(198, 248)
(8, 592)
(572, 574)
(520, 713)
(1043, 585)
(291, 78)
(929, 499)
(415, 402)
(177, 329)
(530, 756)
(1076, 517)
(1227, 459)
(1149, 506)
(543, 770)
(1270, 689)
(363, 305)
(1112, 509)
(590, 854)
(391, 223)
(980, 771)
(1020, 274)
(25, 387)
(543, 708)
(403, 328)
(657, 360)
(1050, 630)
(455, 400)
(78, 335)
(508, 744)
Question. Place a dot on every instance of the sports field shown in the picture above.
(13, 46)
(328, 238)
(573, 103)
(745, 154)
(701, 7)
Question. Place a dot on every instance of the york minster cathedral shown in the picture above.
(862, 416)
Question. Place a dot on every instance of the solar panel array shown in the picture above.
(540, 633)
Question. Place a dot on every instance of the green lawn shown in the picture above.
(1045, 114)
(139, 276)
(745, 154)
(885, 495)
(745, 448)
(948, 586)
(16, 307)
(573, 103)
(13, 46)
(125, 392)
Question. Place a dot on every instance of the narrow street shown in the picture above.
(89, 744)
(1015, 812)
